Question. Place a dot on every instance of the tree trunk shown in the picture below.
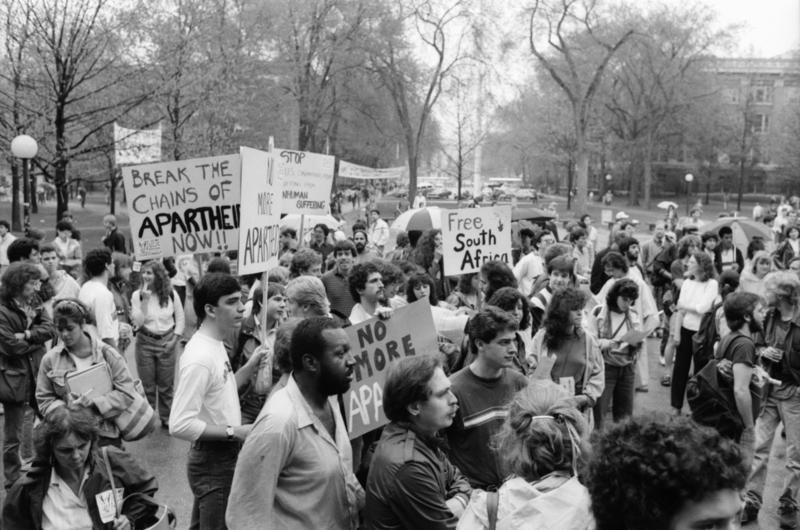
(62, 193)
(648, 170)
(16, 211)
(581, 170)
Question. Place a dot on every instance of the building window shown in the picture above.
(760, 123)
(762, 93)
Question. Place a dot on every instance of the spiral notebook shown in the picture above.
(92, 381)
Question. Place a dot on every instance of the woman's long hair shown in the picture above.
(557, 318)
(425, 250)
(161, 285)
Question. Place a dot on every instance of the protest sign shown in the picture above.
(183, 207)
(354, 171)
(306, 180)
(260, 217)
(473, 236)
(376, 345)
(134, 146)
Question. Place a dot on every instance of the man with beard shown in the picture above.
(363, 254)
(781, 354)
(629, 248)
(366, 288)
(295, 469)
(411, 483)
(335, 281)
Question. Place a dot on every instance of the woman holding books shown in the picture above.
(77, 352)
(157, 315)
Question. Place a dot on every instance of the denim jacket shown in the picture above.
(51, 388)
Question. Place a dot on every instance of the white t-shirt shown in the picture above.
(100, 302)
(527, 269)
(206, 393)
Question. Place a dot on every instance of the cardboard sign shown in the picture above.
(376, 344)
(259, 229)
(606, 216)
(354, 171)
(306, 180)
(473, 236)
(183, 207)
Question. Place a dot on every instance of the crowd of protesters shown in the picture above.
(523, 417)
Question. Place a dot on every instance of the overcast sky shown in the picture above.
(770, 27)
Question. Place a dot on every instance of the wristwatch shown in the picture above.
(229, 433)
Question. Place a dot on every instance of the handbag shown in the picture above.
(159, 516)
(139, 419)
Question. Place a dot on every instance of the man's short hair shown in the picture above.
(563, 263)
(47, 247)
(408, 383)
(95, 262)
(291, 232)
(487, 323)
(555, 250)
(111, 219)
(307, 338)
(724, 231)
(358, 277)
(63, 225)
(20, 249)
(538, 237)
(361, 230)
(576, 233)
(737, 307)
(218, 264)
(5, 223)
(375, 210)
(345, 245)
(644, 470)
(309, 291)
(626, 244)
(526, 232)
(303, 260)
(615, 260)
(211, 287)
(709, 235)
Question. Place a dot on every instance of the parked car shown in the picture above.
(439, 193)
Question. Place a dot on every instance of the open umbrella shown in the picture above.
(292, 220)
(744, 229)
(531, 214)
(418, 219)
(666, 205)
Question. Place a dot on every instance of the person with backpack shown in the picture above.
(781, 357)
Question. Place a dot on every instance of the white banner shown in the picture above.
(133, 146)
(184, 207)
(354, 171)
(473, 236)
(306, 180)
(259, 229)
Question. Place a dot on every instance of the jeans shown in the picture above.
(680, 370)
(210, 473)
(12, 434)
(776, 411)
(617, 395)
(156, 365)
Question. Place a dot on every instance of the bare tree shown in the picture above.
(577, 59)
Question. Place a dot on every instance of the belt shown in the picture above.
(144, 331)
(220, 446)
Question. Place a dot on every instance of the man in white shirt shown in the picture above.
(95, 294)
(296, 467)
(205, 410)
(531, 266)
(378, 231)
(6, 238)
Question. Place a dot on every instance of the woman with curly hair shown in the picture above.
(609, 323)
(698, 293)
(664, 473)
(157, 314)
(511, 300)
(540, 444)
(428, 255)
(573, 356)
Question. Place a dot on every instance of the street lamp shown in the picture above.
(25, 148)
(608, 188)
(688, 178)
